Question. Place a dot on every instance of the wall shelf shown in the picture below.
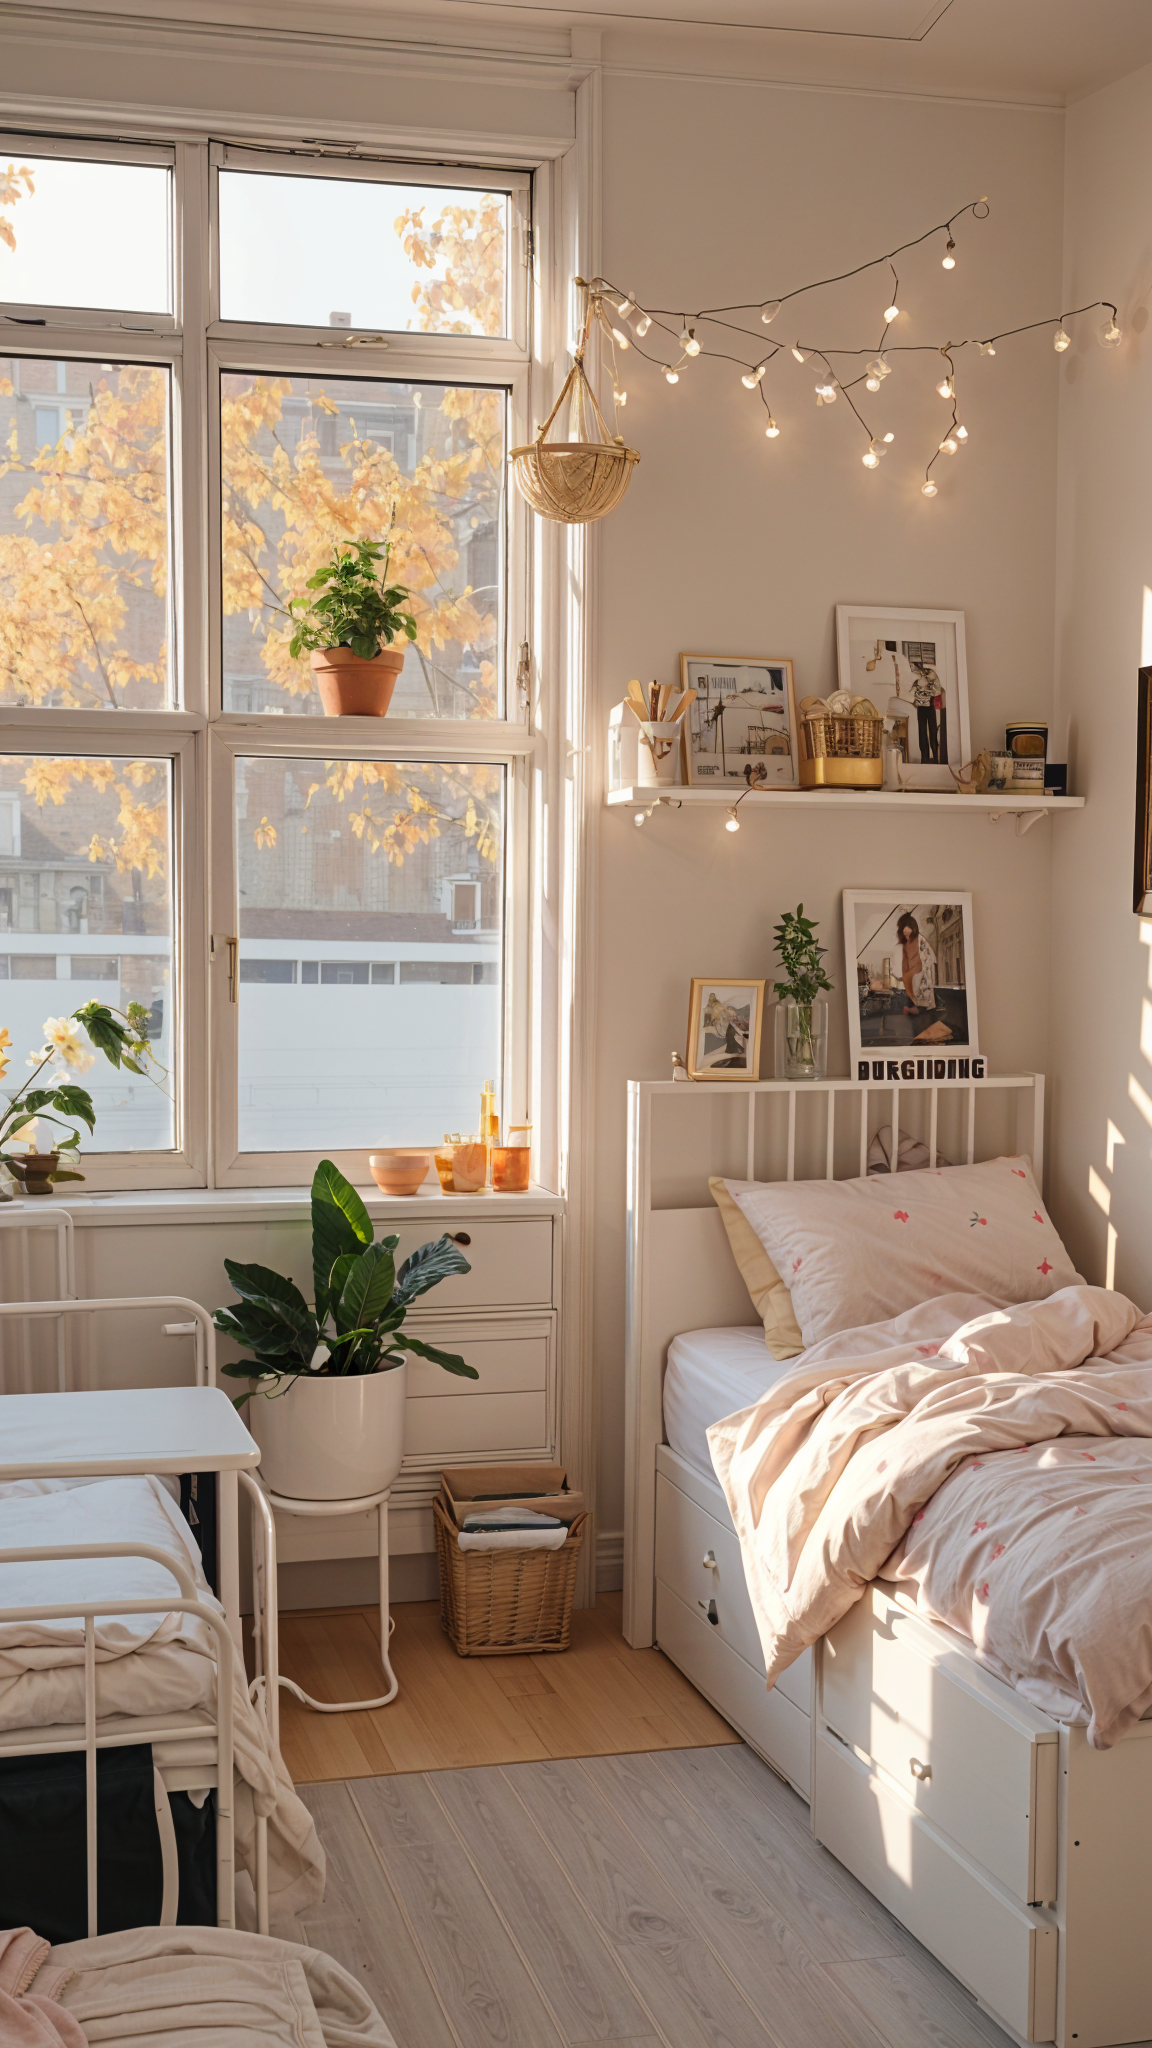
(1026, 810)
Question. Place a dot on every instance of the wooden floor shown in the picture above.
(598, 1698)
(667, 1900)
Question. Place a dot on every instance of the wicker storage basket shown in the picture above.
(843, 738)
(496, 1603)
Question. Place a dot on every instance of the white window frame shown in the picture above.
(200, 737)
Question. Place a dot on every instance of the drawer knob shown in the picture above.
(459, 1237)
(919, 1770)
(711, 1611)
(709, 1561)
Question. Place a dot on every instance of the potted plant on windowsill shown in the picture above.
(53, 1098)
(330, 1378)
(349, 630)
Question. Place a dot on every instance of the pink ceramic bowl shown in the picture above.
(400, 1172)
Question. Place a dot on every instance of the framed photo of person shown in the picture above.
(725, 1016)
(913, 666)
(742, 725)
(911, 986)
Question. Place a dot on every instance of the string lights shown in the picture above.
(838, 374)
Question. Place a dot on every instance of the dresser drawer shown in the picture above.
(698, 1557)
(445, 1430)
(965, 1752)
(776, 1729)
(510, 1260)
(510, 1357)
(1005, 1954)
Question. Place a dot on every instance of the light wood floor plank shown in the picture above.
(786, 1866)
(586, 1989)
(693, 1999)
(482, 1980)
(360, 1923)
(909, 2012)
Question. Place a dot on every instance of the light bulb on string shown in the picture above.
(732, 822)
(801, 354)
(928, 490)
(891, 313)
(889, 438)
(1061, 341)
(688, 341)
(620, 338)
(751, 378)
(641, 325)
(619, 397)
(826, 390)
(768, 313)
(961, 433)
(1110, 335)
(949, 445)
(872, 459)
(625, 307)
(945, 388)
(673, 376)
(986, 348)
(875, 373)
(948, 260)
(771, 430)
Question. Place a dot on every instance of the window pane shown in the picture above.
(84, 534)
(86, 902)
(85, 234)
(347, 252)
(368, 1016)
(309, 462)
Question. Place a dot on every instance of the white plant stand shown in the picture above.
(360, 1506)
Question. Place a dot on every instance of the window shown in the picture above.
(349, 902)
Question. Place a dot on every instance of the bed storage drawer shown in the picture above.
(775, 1728)
(698, 1557)
(965, 1751)
(1003, 1952)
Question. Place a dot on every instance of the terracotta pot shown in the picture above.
(351, 687)
(37, 1168)
(399, 1172)
(331, 1439)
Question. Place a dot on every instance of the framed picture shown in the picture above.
(742, 726)
(1142, 874)
(911, 989)
(724, 1020)
(913, 666)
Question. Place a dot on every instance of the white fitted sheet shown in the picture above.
(711, 1374)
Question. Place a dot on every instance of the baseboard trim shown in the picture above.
(610, 1561)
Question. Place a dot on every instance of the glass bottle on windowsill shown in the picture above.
(801, 1039)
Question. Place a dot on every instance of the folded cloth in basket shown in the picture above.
(156, 1663)
(513, 1539)
(511, 1518)
(205, 1987)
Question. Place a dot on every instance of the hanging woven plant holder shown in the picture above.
(576, 481)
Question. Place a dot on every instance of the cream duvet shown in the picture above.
(996, 1461)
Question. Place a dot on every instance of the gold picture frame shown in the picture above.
(741, 731)
(723, 1030)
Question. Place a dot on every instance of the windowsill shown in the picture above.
(164, 1206)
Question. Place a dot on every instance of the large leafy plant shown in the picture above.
(358, 610)
(354, 1326)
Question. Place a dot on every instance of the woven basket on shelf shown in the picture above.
(580, 480)
(506, 1602)
(830, 734)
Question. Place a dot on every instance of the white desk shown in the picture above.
(149, 1429)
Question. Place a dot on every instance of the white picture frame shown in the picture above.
(906, 990)
(741, 728)
(912, 663)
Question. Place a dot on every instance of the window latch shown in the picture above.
(524, 674)
(232, 948)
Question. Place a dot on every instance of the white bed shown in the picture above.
(1018, 1854)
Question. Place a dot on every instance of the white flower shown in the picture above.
(65, 1043)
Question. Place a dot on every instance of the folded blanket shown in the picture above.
(33, 2018)
(826, 1475)
(513, 1539)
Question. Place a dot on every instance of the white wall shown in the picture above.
(728, 543)
(1101, 1020)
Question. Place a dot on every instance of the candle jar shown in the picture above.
(470, 1168)
(443, 1162)
(510, 1165)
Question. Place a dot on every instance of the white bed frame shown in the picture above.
(1018, 1855)
(193, 1749)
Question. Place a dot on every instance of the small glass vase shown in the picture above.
(801, 1039)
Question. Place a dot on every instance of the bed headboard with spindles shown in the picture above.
(681, 1274)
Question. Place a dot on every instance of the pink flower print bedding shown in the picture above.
(996, 1461)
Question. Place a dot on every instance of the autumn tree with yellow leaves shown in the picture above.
(83, 579)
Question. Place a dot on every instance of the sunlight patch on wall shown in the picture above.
(1101, 1195)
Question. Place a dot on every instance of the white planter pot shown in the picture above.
(331, 1439)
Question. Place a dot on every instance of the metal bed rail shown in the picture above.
(23, 1220)
(199, 1326)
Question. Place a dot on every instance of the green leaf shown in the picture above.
(73, 1101)
(426, 1267)
(60, 1174)
(337, 1279)
(367, 1291)
(104, 1030)
(260, 1283)
(448, 1359)
(340, 1224)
